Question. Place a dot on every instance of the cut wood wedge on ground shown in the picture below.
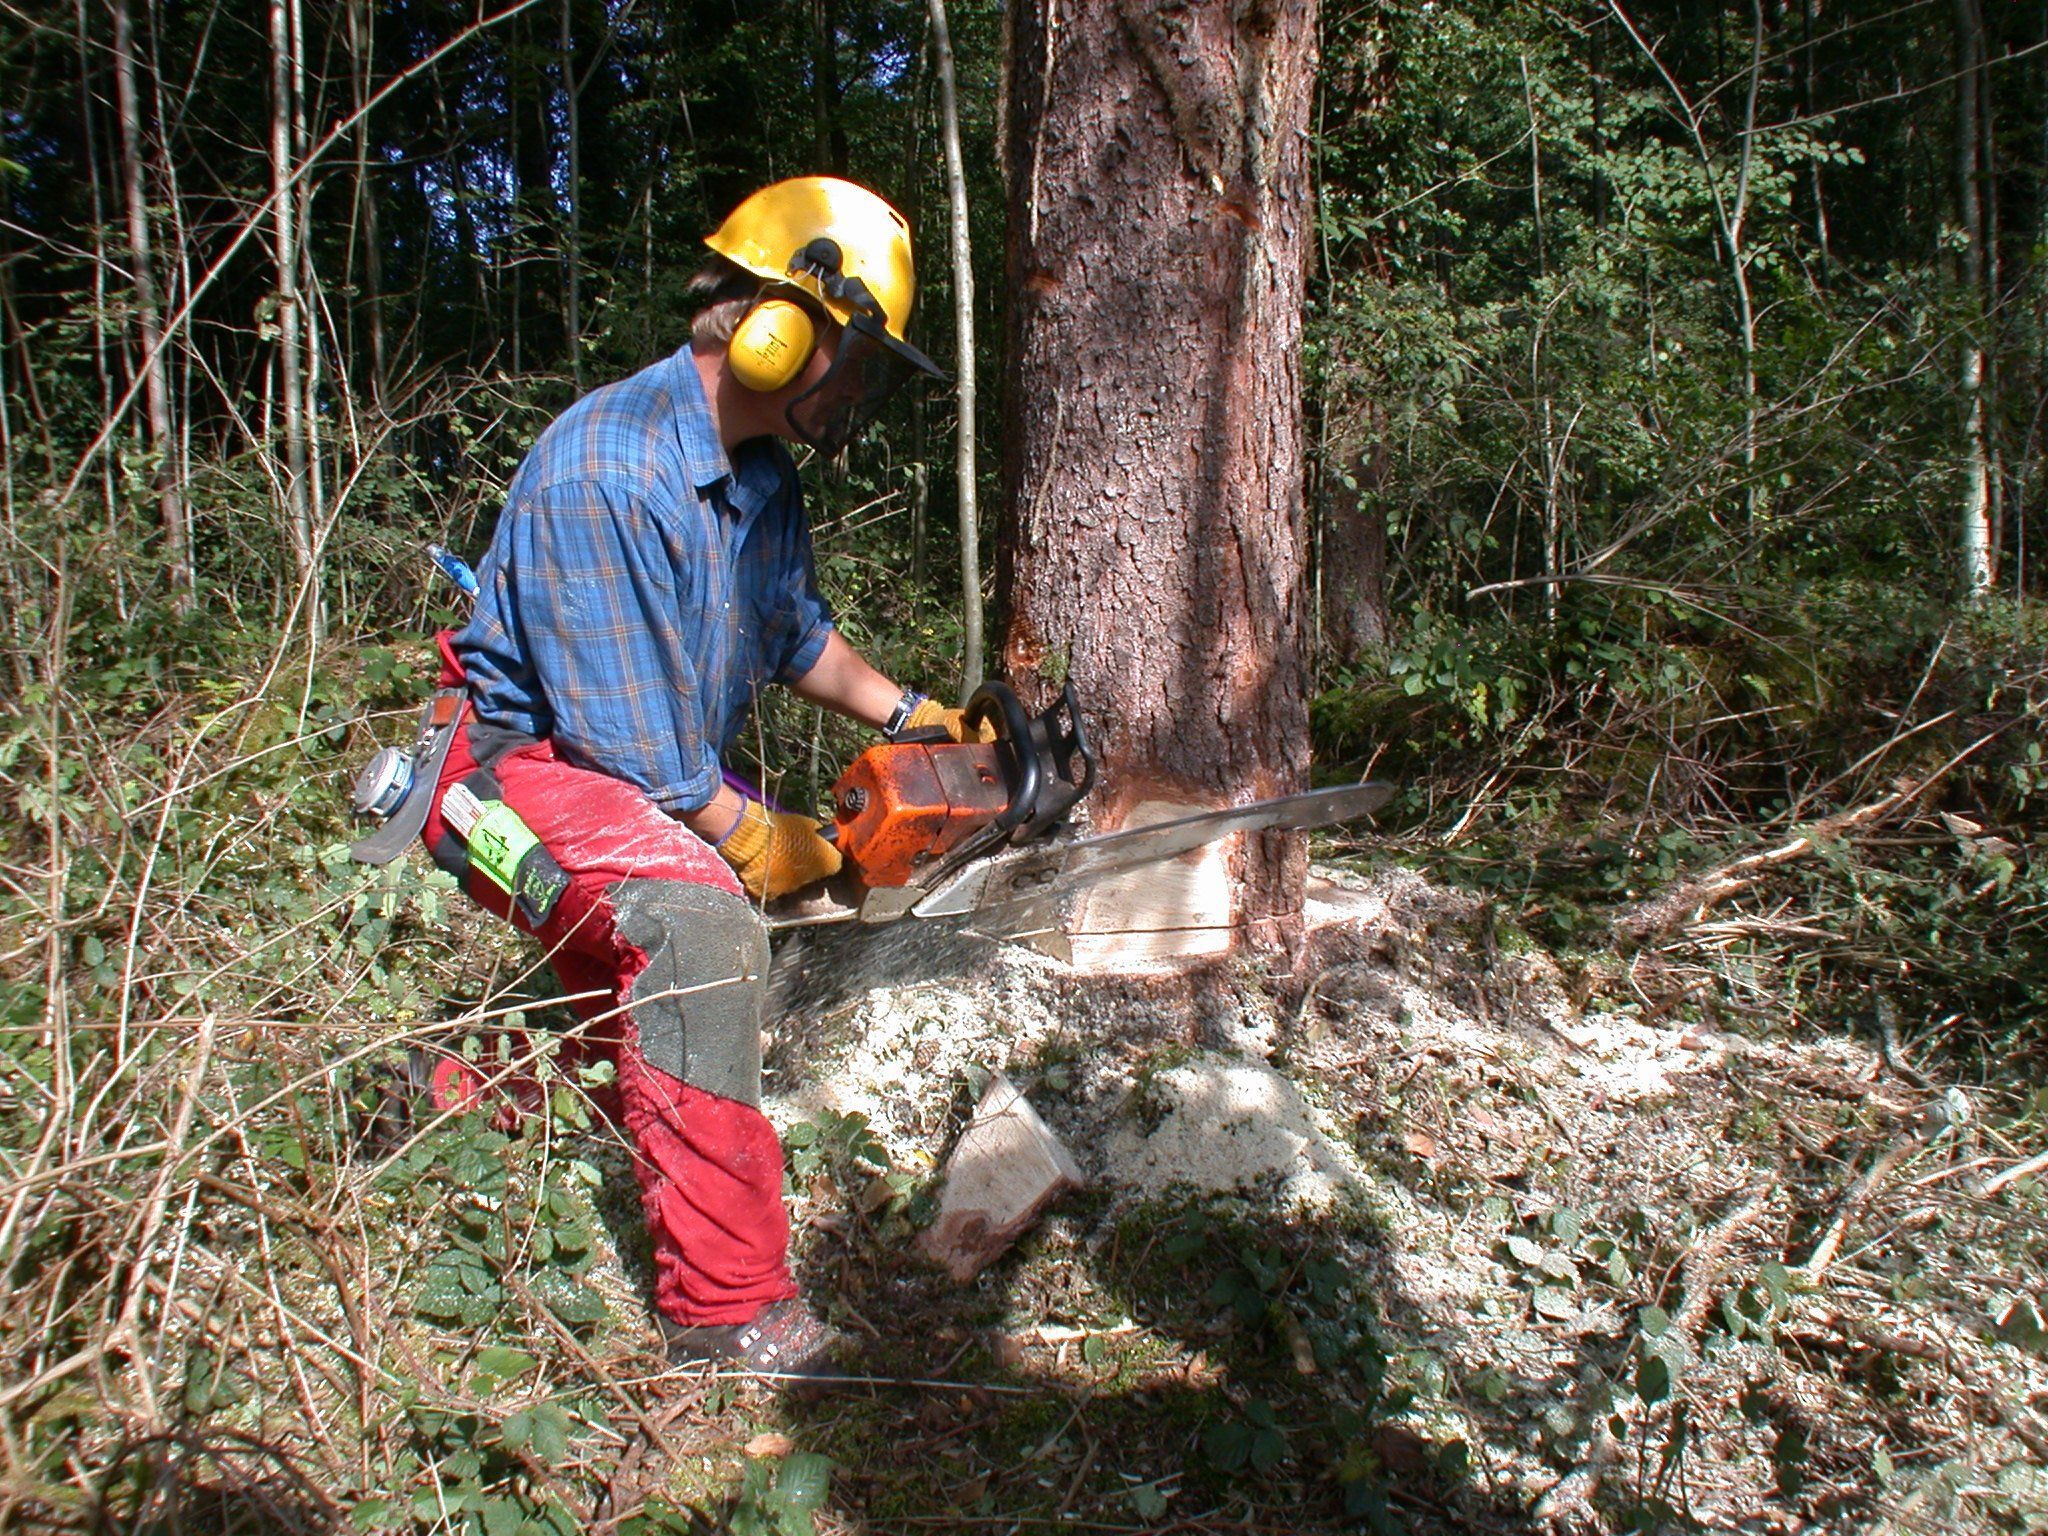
(1004, 1171)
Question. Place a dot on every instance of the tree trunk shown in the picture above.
(1352, 564)
(921, 95)
(370, 302)
(290, 362)
(963, 331)
(1159, 240)
(1808, 95)
(148, 321)
(831, 132)
(1738, 262)
(312, 309)
(102, 349)
(572, 239)
(1974, 545)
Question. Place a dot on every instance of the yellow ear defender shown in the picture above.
(771, 344)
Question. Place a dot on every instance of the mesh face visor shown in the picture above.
(868, 368)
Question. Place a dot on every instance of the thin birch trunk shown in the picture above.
(311, 310)
(1738, 260)
(963, 324)
(14, 610)
(88, 116)
(1991, 288)
(2033, 481)
(177, 264)
(1808, 95)
(1553, 536)
(361, 43)
(148, 321)
(290, 388)
(921, 94)
(1974, 544)
(572, 246)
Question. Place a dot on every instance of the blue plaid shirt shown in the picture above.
(641, 587)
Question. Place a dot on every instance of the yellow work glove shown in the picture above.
(776, 852)
(932, 712)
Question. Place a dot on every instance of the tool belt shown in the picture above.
(397, 787)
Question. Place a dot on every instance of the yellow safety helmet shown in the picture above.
(771, 231)
(844, 247)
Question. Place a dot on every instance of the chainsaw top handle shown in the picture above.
(1047, 765)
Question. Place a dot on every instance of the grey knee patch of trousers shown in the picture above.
(699, 1003)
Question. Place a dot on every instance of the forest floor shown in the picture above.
(1431, 1229)
(1441, 1232)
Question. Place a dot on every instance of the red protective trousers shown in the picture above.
(710, 1168)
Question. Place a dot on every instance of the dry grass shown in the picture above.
(224, 1312)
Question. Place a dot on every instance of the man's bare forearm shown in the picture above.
(842, 680)
(716, 816)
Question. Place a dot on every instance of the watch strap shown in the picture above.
(905, 708)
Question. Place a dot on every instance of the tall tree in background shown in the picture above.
(149, 327)
(1977, 533)
(1346, 403)
(1160, 225)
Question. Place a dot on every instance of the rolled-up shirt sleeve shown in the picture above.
(597, 621)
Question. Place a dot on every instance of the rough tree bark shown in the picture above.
(1160, 227)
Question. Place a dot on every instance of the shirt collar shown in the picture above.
(704, 455)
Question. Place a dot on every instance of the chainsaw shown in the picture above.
(929, 827)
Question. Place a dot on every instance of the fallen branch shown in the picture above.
(1857, 1196)
(1690, 900)
(2012, 1415)
(2022, 1170)
(1707, 1262)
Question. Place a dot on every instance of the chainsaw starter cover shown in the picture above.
(898, 807)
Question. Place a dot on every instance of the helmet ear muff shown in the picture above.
(771, 344)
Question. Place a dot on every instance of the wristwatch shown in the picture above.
(905, 708)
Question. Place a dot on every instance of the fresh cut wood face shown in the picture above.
(1178, 908)
(1006, 1168)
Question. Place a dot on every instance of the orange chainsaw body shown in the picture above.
(901, 806)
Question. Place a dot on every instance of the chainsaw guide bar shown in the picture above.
(1007, 890)
(1026, 876)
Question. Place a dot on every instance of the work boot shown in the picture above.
(785, 1340)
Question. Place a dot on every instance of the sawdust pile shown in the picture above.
(1217, 1125)
(1563, 1174)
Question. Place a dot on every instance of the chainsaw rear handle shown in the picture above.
(1047, 765)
